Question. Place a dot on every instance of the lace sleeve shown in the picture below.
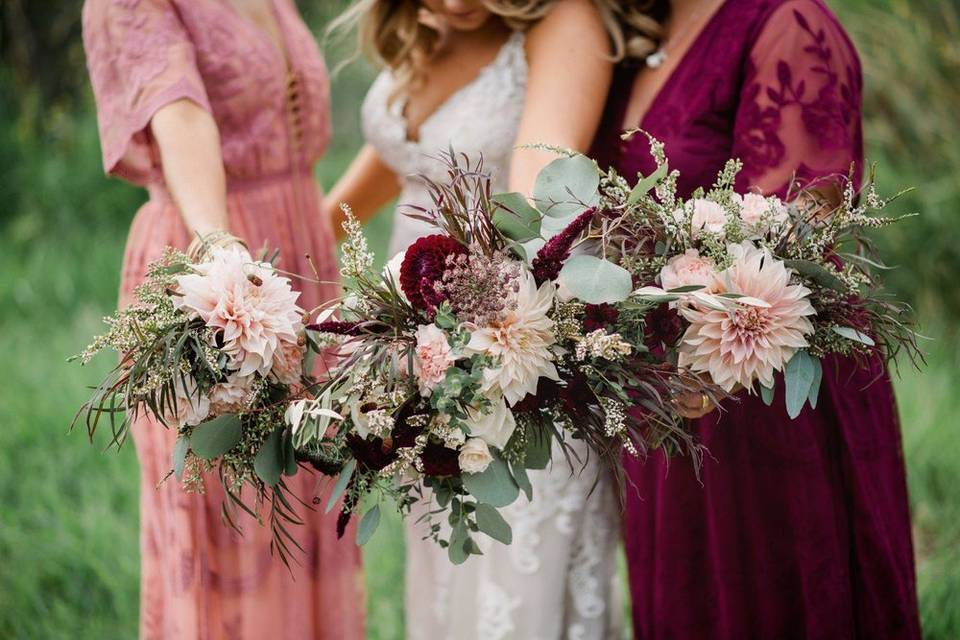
(140, 58)
(800, 105)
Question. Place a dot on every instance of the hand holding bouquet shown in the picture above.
(216, 350)
(754, 286)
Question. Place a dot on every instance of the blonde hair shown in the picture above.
(392, 34)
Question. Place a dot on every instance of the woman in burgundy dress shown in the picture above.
(800, 529)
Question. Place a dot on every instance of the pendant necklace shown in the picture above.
(658, 57)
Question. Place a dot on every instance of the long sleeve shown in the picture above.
(140, 57)
(799, 114)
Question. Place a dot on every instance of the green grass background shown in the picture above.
(69, 515)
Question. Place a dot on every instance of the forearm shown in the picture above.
(367, 185)
(189, 144)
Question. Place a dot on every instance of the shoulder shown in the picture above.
(792, 16)
(570, 24)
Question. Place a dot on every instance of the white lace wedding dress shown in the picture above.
(558, 578)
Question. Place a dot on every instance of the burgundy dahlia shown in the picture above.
(549, 260)
(599, 316)
(422, 268)
(661, 330)
(547, 392)
(439, 461)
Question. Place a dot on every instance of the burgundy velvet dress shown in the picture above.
(800, 529)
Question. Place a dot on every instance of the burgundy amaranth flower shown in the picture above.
(336, 326)
(423, 266)
(439, 461)
(549, 260)
(599, 316)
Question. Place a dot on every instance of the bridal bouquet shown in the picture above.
(749, 286)
(217, 350)
(473, 357)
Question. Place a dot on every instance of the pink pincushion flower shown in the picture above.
(253, 308)
(748, 342)
(687, 269)
(434, 357)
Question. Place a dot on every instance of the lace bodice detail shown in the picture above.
(481, 118)
(144, 54)
(775, 83)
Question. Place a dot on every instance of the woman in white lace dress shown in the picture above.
(486, 78)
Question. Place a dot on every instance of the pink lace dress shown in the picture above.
(199, 578)
(800, 528)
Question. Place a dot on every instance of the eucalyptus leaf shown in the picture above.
(492, 523)
(595, 281)
(268, 463)
(814, 394)
(799, 374)
(180, 450)
(567, 186)
(214, 438)
(531, 247)
(494, 486)
(515, 218)
(766, 394)
(852, 334)
(289, 454)
(368, 525)
(457, 550)
(539, 448)
(523, 481)
(645, 184)
(341, 484)
(817, 273)
(550, 227)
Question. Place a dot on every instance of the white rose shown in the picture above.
(474, 456)
(707, 216)
(495, 426)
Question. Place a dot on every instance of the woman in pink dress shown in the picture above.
(220, 109)
(800, 529)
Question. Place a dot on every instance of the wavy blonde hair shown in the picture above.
(392, 34)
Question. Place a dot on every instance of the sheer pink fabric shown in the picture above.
(799, 529)
(199, 579)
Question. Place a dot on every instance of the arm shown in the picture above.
(189, 145)
(569, 72)
(800, 108)
(367, 185)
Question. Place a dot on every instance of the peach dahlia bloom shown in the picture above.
(748, 342)
(252, 306)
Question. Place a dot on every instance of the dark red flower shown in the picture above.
(599, 316)
(422, 267)
(577, 396)
(549, 260)
(373, 454)
(661, 330)
(547, 392)
(439, 461)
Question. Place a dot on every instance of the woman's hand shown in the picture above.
(367, 185)
(693, 405)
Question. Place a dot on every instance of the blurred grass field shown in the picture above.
(69, 515)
